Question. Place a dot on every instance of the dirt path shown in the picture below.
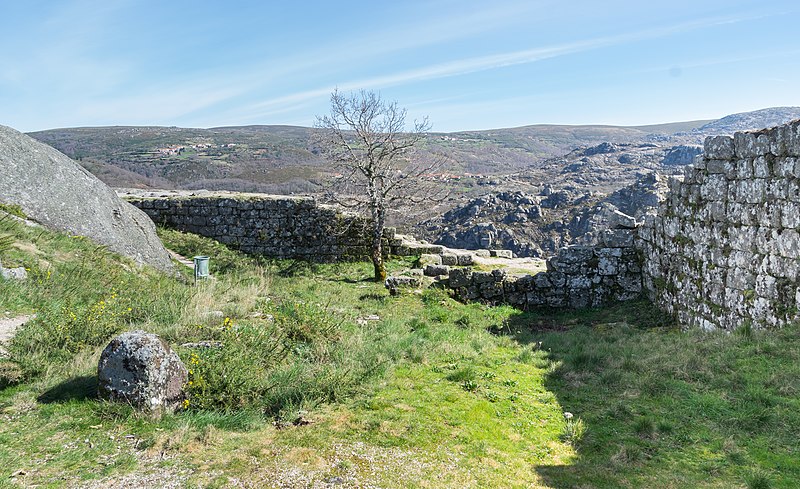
(9, 325)
(181, 259)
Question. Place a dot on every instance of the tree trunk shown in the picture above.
(378, 217)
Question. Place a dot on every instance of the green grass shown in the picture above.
(433, 394)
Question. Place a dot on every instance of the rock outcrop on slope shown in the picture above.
(57, 192)
(537, 225)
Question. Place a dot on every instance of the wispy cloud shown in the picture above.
(483, 63)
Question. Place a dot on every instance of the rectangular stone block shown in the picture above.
(482, 277)
(787, 243)
(715, 187)
(718, 148)
(716, 166)
(465, 259)
(501, 253)
(761, 167)
(743, 168)
(778, 141)
(751, 191)
(792, 136)
(790, 215)
(749, 145)
(449, 259)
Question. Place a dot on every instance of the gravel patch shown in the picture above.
(8, 326)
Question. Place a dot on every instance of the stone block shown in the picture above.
(430, 259)
(748, 145)
(449, 259)
(751, 191)
(465, 259)
(491, 290)
(482, 277)
(460, 277)
(787, 243)
(792, 137)
(630, 282)
(579, 282)
(743, 168)
(617, 238)
(501, 253)
(435, 270)
(778, 141)
(579, 298)
(541, 280)
(619, 220)
(761, 167)
(575, 254)
(499, 274)
(718, 148)
(607, 266)
(715, 187)
(535, 299)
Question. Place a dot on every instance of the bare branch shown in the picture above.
(366, 140)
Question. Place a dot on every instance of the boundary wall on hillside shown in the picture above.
(724, 248)
(577, 277)
(275, 226)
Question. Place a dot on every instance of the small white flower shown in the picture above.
(567, 415)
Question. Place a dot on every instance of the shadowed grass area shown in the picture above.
(665, 408)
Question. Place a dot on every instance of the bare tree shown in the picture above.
(366, 139)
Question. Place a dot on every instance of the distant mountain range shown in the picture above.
(282, 158)
(528, 188)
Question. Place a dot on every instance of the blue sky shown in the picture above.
(465, 64)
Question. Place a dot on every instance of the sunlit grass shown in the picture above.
(432, 393)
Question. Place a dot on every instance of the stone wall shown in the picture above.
(275, 226)
(724, 249)
(577, 277)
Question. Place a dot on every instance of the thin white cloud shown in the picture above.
(484, 63)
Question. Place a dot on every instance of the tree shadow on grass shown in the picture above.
(74, 389)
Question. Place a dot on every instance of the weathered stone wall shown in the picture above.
(724, 248)
(275, 226)
(577, 277)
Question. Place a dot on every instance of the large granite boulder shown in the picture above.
(57, 192)
(141, 369)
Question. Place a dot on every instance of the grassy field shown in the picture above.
(324, 380)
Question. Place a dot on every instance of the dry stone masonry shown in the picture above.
(724, 249)
(577, 277)
(276, 226)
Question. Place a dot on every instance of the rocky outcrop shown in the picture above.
(682, 154)
(141, 369)
(538, 225)
(57, 192)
